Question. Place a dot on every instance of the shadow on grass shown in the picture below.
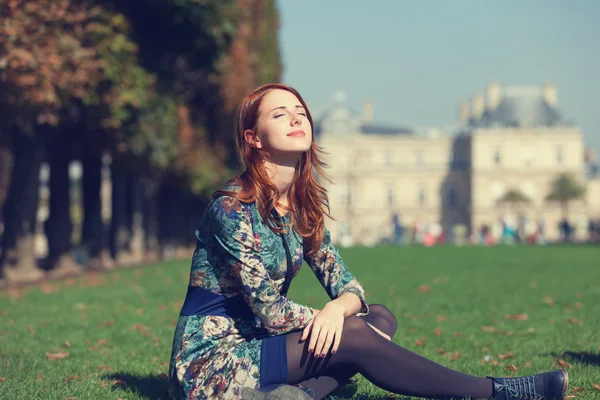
(581, 357)
(151, 387)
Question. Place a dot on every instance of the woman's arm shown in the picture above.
(231, 227)
(341, 286)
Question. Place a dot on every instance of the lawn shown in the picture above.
(485, 311)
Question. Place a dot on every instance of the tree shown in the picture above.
(515, 197)
(565, 189)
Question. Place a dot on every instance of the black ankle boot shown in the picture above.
(546, 386)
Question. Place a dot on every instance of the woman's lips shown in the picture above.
(297, 133)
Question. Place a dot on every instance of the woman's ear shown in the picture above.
(252, 138)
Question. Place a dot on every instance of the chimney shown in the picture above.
(549, 94)
(463, 112)
(493, 95)
(367, 112)
(477, 106)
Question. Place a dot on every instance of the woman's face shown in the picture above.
(283, 127)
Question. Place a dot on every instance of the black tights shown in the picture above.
(384, 363)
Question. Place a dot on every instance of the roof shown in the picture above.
(341, 119)
(521, 107)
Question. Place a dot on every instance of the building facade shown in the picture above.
(508, 139)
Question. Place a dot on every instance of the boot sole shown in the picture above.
(565, 385)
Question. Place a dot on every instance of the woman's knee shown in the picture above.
(385, 318)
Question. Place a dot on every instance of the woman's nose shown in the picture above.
(296, 120)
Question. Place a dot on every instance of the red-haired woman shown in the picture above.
(238, 334)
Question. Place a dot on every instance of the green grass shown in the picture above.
(119, 325)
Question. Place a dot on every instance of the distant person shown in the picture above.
(240, 336)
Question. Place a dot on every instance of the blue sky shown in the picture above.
(416, 60)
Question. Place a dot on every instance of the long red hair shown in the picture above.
(308, 202)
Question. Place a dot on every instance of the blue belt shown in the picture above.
(201, 301)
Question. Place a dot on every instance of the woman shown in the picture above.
(238, 334)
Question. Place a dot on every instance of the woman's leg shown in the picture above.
(382, 362)
(381, 318)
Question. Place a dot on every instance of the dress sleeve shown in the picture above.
(331, 271)
(231, 227)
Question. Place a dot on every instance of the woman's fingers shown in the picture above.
(337, 340)
(306, 331)
(314, 335)
(324, 342)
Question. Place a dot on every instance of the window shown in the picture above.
(527, 156)
(387, 158)
(559, 155)
(390, 196)
(497, 157)
(422, 196)
(344, 194)
(419, 158)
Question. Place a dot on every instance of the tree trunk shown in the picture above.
(59, 227)
(94, 234)
(150, 209)
(18, 261)
(5, 173)
(120, 233)
(137, 221)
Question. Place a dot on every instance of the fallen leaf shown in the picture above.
(57, 356)
(142, 328)
(139, 311)
(458, 334)
(4, 312)
(517, 317)
(485, 349)
(67, 344)
(596, 386)
(118, 382)
(440, 318)
(576, 321)
(562, 363)
(512, 367)
(71, 378)
(424, 288)
(578, 305)
(510, 354)
(15, 293)
(69, 282)
(549, 300)
(106, 323)
(527, 364)
(48, 288)
(440, 351)
(420, 342)
(99, 343)
(455, 356)
(570, 397)
(438, 331)
(578, 389)
(1, 379)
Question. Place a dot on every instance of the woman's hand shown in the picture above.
(325, 329)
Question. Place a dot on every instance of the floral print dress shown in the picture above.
(231, 331)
